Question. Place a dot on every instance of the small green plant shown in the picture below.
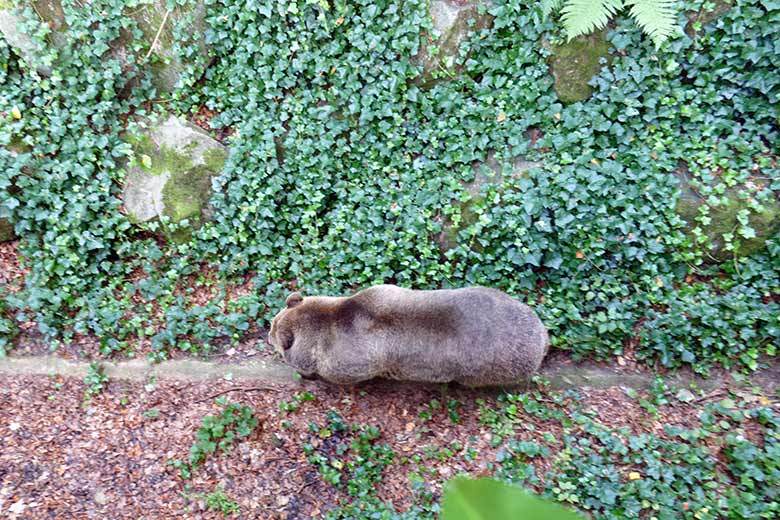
(95, 381)
(217, 433)
(152, 413)
(217, 500)
(295, 404)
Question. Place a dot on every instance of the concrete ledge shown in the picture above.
(583, 375)
(141, 370)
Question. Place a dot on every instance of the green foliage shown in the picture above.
(483, 499)
(8, 328)
(720, 463)
(217, 433)
(676, 475)
(342, 171)
(217, 500)
(584, 16)
(297, 400)
(723, 467)
(657, 18)
(352, 459)
(95, 381)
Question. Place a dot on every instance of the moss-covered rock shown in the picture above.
(723, 218)
(166, 67)
(452, 22)
(573, 64)
(171, 172)
(489, 172)
(154, 20)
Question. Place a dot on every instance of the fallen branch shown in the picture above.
(718, 392)
(157, 36)
(250, 389)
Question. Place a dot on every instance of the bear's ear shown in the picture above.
(293, 300)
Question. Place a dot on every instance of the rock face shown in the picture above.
(439, 58)
(166, 68)
(152, 18)
(485, 174)
(9, 27)
(573, 64)
(723, 218)
(174, 163)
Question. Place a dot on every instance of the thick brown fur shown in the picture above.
(475, 336)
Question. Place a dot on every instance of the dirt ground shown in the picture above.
(108, 458)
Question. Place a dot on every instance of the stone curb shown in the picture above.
(142, 370)
(585, 375)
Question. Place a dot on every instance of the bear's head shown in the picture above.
(288, 335)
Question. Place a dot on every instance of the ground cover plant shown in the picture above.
(384, 452)
(722, 466)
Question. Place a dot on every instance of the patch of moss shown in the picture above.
(214, 159)
(163, 158)
(6, 230)
(186, 192)
(573, 64)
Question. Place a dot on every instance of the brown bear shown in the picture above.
(475, 336)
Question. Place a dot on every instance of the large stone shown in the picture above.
(172, 171)
(489, 172)
(10, 22)
(723, 217)
(453, 20)
(166, 67)
(154, 20)
(573, 64)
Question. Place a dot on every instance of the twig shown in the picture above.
(157, 36)
(715, 393)
(251, 389)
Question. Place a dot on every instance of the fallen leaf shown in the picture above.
(146, 161)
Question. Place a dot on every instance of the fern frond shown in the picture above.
(549, 6)
(656, 18)
(584, 16)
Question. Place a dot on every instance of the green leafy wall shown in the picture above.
(342, 172)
